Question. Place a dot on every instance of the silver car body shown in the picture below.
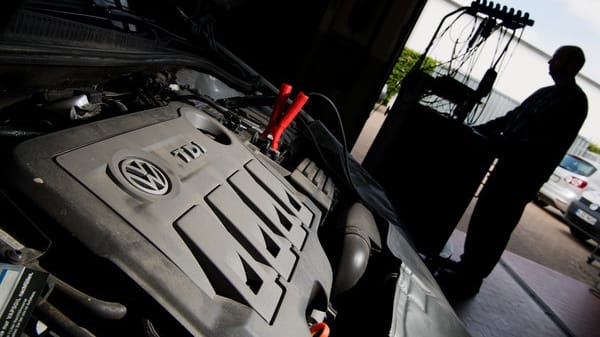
(570, 178)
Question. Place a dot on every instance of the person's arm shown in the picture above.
(493, 127)
(492, 130)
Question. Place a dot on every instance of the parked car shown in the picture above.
(168, 189)
(583, 216)
(571, 177)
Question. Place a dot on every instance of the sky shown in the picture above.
(561, 22)
(556, 23)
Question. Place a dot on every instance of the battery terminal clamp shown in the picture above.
(280, 120)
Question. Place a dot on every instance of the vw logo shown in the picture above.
(145, 176)
(594, 207)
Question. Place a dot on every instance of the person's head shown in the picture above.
(566, 63)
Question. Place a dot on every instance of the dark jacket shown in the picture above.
(531, 139)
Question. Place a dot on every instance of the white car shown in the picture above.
(571, 177)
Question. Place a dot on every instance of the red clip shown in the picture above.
(320, 328)
(287, 118)
(280, 121)
(284, 94)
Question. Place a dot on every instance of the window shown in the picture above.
(577, 165)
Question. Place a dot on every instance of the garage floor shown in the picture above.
(523, 298)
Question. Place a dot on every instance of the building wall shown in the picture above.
(523, 71)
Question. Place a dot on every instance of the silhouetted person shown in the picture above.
(531, 140)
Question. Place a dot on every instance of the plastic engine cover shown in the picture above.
(188, 211)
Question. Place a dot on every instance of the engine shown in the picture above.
(154, 184)
(161, 210)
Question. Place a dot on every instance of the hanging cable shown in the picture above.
(346, 159)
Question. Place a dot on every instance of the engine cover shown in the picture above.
(205, 225)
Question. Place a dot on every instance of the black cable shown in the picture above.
(501, 37)
(209, 101)
(422, 58)
(205, 29)
(149, 329)
(511, 53)
(468, 37)
(346, 163)
(505, 49)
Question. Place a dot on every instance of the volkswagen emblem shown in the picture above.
(594, 207)
(145, 176)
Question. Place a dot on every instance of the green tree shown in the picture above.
(408, 58)
(594, 148)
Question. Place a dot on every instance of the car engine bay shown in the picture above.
(174, 200)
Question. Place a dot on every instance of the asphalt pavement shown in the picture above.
(541, 236)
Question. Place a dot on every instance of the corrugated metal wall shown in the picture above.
(498, 104)
(579, 146)
(493, 106)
